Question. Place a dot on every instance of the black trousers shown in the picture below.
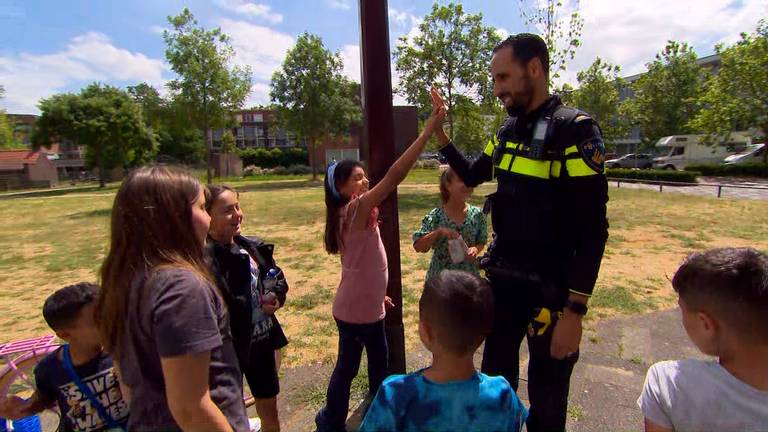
(517, 305)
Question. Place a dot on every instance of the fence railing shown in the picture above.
(661, 184)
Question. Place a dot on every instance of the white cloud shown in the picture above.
(156, 29)
(249, 9)
(350, 55)
(630, 33)
(87, 57)
(502, 32)
(261, 48)
(259, 95)
(340, 4)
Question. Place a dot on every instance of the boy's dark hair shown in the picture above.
(526, 47)
(459, 307)
(63, 306)
(731, 284)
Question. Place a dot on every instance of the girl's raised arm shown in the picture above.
(397, 172)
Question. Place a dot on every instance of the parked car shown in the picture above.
(753, 154)
(632, 160)
(684, 150)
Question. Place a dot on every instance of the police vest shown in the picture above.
(580, 160)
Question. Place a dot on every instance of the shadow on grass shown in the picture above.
(91, 213)
(278, 185)
(56, 192)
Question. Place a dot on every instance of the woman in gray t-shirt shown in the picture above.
(160, 315)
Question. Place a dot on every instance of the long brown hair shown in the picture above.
(341, 173)
(151, 227)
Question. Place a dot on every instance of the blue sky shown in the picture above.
(50, 46)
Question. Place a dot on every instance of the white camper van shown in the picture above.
(682, 150)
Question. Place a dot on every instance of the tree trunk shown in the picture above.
(313, 157)
(102, 170)
(209, 155)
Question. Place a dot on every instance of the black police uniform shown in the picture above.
(550, 228)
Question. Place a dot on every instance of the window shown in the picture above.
(681, 139)
(678, 151)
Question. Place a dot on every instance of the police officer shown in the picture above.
(549, 223)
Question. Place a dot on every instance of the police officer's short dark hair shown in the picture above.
(459, 307)
(64, 305)
(526, 47)
(731, 284)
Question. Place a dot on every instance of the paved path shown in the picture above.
(605, 386)
(711, 191)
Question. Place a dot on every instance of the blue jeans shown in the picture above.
(352, 339)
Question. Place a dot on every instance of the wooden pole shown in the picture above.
(379, 138)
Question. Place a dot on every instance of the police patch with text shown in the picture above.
(593, 153)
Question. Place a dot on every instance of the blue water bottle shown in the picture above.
(271, 281)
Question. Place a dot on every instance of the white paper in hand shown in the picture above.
(458, 249)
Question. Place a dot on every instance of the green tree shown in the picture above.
(6, 128)
(562, 39)
(169, 120)
(103, 118)
(312, 96)
(598, 94)
(453, 52)
(666, 97)
(737, 97)
(207, 86)
(6, 132)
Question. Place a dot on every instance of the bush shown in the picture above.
(428, 164)
(274, 157)
(279, 170)
(252, 170)
(656, 175)
(299, 169)
(744, 170)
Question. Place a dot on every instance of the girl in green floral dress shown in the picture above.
(455, 218)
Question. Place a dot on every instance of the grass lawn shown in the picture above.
(55, 238)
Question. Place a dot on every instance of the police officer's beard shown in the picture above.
(521, 99)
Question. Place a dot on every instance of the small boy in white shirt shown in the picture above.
(723, 296)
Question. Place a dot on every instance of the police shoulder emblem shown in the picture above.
(593, 153)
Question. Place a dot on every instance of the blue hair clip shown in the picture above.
(332, 181)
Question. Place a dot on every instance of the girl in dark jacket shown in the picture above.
(254, 288)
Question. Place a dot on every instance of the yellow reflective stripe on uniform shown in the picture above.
(554, 170)
(530, 167)
(505, 161)
(579, 168)
(489, 148)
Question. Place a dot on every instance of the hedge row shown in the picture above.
(745, 170)
(252, 170)
(657, 175)
(275, 157)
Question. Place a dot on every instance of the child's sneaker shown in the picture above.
(255, 424)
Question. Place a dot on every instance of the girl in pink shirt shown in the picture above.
(352, 231)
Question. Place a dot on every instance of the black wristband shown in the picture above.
(577, 307)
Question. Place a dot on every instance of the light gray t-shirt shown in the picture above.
(172, 313)
(697, 395)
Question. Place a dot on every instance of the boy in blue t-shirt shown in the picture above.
(455, 314)
(70, 313)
